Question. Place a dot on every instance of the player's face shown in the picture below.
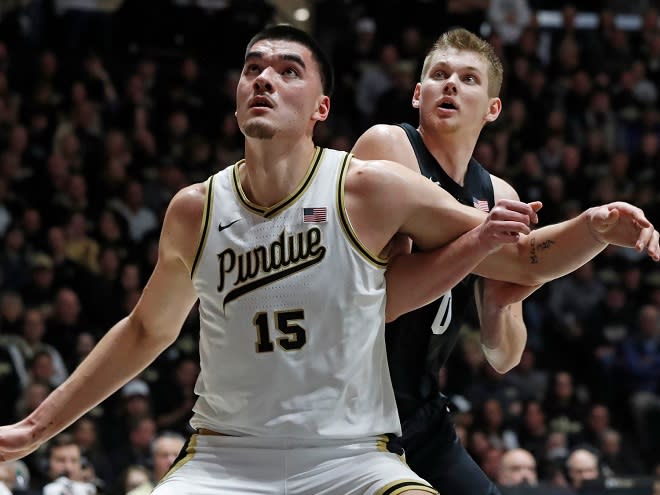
(454, 92)
(279, 91)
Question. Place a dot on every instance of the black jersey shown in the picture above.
(419, 342)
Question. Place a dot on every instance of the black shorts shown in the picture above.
(435, 453)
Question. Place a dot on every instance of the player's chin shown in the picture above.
(258, 129)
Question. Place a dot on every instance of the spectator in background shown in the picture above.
(137, 450)
(570, 300)
(134, 478)
(177, 396)
(641, 365)
(40, 291)
(31, 343)
(533, 431)
(11, 312)
(164, 449)
(140, 219)
(517, 467)
(562, 405)
(132, 403)
(86, 435)
(33, 395)
(14, 265)
(619, 458)
(509, 18)
(80, 247)
(583, 464)
(65, 324)
(64, 472)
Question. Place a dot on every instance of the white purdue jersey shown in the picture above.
(292, 314)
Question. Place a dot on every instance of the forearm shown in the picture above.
(121, 354)
(545, 254)
(503, 331)
(414, 280)
(503, 337)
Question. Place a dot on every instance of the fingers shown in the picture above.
(648, 240)
(644, 238)
(653, 248)
(637, 214)
(508, 209)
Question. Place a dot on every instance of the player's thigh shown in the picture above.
(357, 469)
(209, 468)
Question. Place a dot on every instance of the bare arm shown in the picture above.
(409, 285)
(545, 254)
(499, 305)
(131, 344)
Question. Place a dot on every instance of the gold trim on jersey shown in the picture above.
(190, 453)
(204, 229)
(345, 221)
(401, 486)
(268, 212)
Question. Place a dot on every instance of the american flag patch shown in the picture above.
(481, 204)
(315, 215)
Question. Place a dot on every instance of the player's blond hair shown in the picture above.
(463, 40)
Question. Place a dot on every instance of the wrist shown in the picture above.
(589, 218)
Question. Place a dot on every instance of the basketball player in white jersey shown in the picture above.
(285, 251)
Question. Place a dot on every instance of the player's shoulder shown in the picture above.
(380, 141)
(184, 218)
(189, 200)
(502, 189)
(384, 131)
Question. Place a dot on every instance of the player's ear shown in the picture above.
(323, 109)
(415, 98)
(494, 109)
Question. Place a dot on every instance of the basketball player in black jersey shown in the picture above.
(457, 97)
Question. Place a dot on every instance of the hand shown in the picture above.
(16, 441)
(506, 221)
(623, 224)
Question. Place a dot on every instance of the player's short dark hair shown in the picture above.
(287, 32)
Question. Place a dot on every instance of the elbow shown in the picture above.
(147, 335)
(501, 362)
(506, 366)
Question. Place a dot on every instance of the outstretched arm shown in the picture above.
(545, 254)
(132, 343)
(556, 250)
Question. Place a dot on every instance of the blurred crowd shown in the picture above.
(106, 110)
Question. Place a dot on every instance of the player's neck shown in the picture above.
(273, 169)
(452, 151)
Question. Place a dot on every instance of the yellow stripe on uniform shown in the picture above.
(403, 485)
(206, 215)
(345, 221)
(190, 453)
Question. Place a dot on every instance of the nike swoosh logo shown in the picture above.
(223, 227)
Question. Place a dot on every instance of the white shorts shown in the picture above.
(226, 465)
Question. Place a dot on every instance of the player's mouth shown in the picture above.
(260, 102)
(448, 104)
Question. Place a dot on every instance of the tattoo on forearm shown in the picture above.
(533, 256)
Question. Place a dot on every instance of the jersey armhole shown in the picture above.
(345, 221)
(204, 227)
